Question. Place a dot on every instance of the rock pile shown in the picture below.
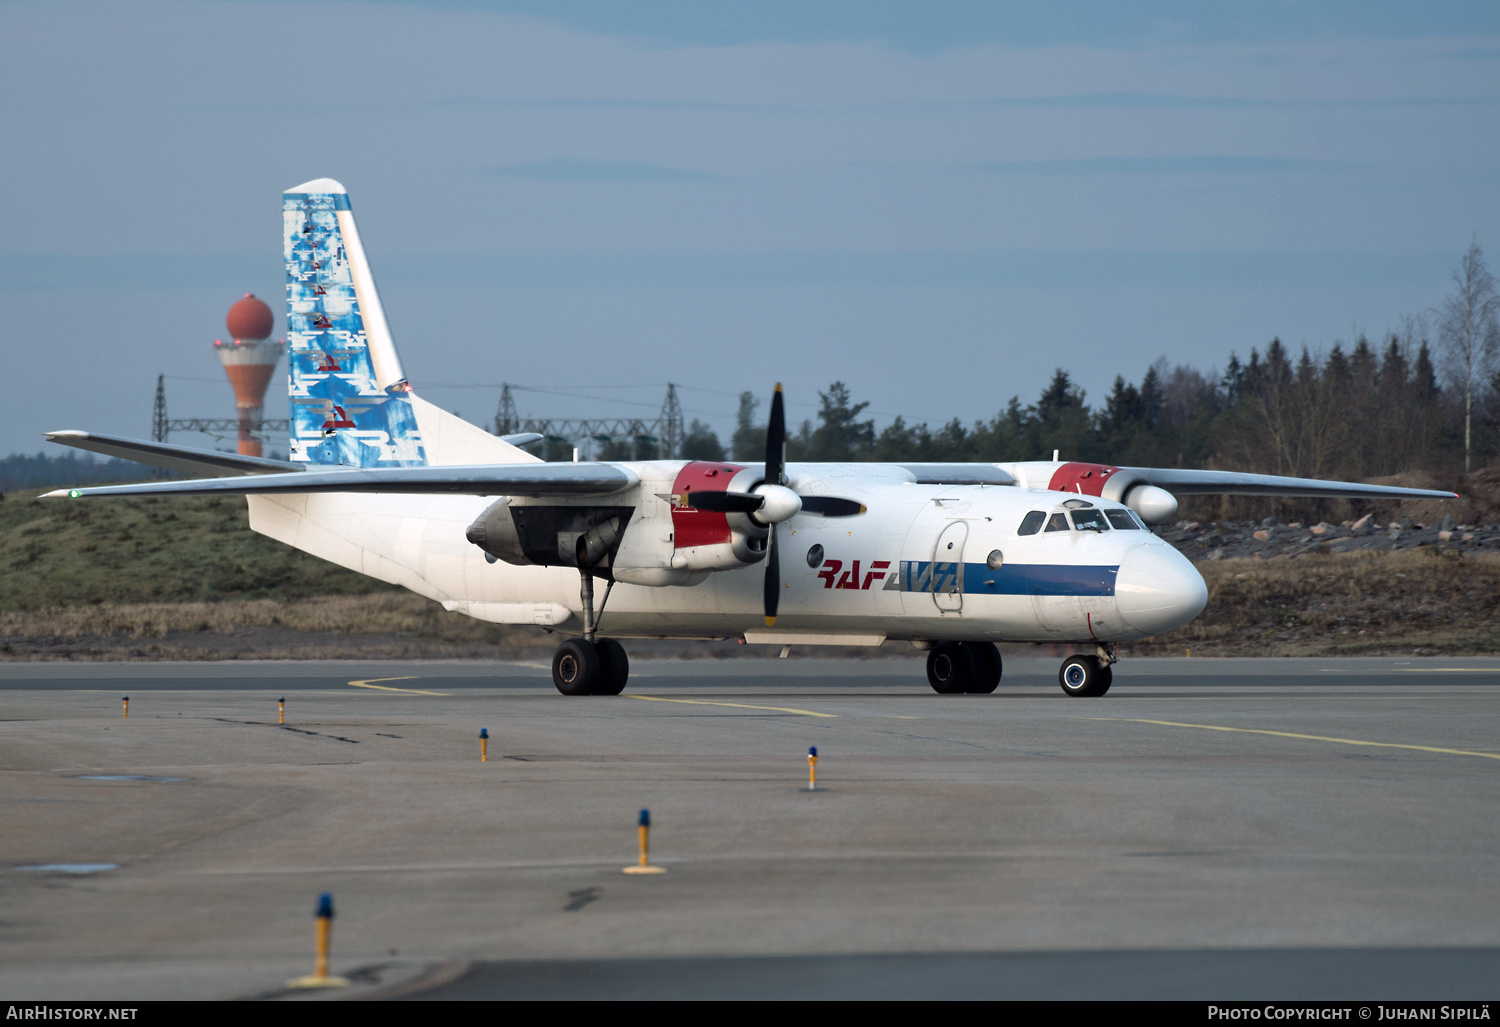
(1266, 540)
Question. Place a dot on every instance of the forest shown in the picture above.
(1425, 397)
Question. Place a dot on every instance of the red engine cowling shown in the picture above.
(705, 540)
(1117, 484)
(1085, 479)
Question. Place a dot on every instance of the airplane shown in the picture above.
(949, 557)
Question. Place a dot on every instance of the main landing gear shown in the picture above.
(1087, 677)
(590, 665)
(954, 667)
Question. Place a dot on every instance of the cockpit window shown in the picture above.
(1089, 520)
(1057, 522)
(1031, 523)
(1120, 520)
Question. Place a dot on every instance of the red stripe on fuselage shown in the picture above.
(700, 527)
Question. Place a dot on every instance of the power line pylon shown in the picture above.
(671, 424)
(507, 421)
(159, 429)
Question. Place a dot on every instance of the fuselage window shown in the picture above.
(1057, 522)
(1120, 520)
(1031, 523)
(1089, 520)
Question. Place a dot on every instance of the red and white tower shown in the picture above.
(250, 358)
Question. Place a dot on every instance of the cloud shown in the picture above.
(568, 170)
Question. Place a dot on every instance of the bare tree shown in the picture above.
(1467, 331)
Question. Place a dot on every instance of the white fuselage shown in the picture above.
(927, 562)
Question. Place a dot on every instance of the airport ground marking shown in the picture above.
(1309, 738)
(738, 705)
(370, 683)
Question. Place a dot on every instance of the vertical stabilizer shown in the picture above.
(351, 404)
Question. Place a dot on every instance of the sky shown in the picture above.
(937, 204)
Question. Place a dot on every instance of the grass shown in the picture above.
(1428, 601)
(59, 553)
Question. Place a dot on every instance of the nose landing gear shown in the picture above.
(1087, 677)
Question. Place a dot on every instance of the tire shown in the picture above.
(614, 667)
(1106, 678)
(987, 669)
(575, 667)
(950, 668)
(1083, 677)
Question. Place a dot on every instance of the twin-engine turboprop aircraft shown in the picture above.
(951, 557)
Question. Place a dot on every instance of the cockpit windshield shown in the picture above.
(1121, 520)
(1089, 520)
(1057, 522)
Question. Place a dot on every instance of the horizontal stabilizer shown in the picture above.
(1236, 483)
(487, 480)
(174, 458)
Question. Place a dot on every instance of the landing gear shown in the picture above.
(954, 667)
(986, 667)
(614, 667)
(1085, 676)
(590, 665)
(581, 667)
(575, 667)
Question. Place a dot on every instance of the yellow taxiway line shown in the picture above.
(1308, 738)
(738, 705)
(370, 683)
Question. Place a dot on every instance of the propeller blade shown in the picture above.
(832, 506)
(776, 441)
(773, 577)
(723, 502)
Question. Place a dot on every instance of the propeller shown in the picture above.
(771, 502)
(775, 478)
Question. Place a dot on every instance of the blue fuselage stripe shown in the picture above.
(1021, 579)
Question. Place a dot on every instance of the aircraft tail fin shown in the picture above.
(351, 404)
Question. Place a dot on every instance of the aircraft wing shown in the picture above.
(958, 474)
(589, 479)
(1236, 483)
(173, 458)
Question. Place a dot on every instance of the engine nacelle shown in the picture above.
(1152, 503)
(705, 540)
(550, 535)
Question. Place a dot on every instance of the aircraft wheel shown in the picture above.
(1084, 677)
(950, 668)
(987, 667)
(575, 667)
(614, 667)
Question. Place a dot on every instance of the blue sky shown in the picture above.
(936, 203)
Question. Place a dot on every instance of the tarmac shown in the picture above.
(1224, 830)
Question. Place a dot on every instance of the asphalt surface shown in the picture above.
(1211, 829)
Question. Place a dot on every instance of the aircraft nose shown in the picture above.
(1158, 589)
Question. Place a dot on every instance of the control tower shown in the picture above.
(250, 358)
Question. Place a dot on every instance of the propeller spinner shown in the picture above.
(771, 502)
